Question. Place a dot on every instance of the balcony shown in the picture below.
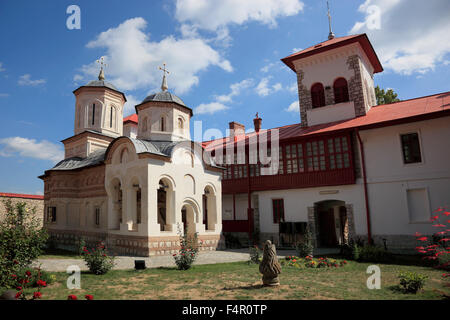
(331, 113)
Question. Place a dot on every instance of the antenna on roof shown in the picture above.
(331, 34)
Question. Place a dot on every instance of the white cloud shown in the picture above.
(293, 87)
(24, 147)
(295, 50)
(1, 67)
(405, 44)
(25, 80)
(293, 107)
(133, 59)
(128, 108)
(210, 108)
(4, 95)
(235, 89)
(215, 14)
(264, 89)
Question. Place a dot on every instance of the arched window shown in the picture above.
(93, 114)
(163, 124)
(144, 124)
(180, 124)
(317, 95)
(340, 90)
(111, 117)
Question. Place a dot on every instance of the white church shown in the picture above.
(349, 169)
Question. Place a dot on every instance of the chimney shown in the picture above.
(257, 123)
(236, 129)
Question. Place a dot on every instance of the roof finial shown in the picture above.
(101, 75)
(164, 86)
(331, 34)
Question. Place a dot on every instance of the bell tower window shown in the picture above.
(93, 114)
(340, 90)
(163, 125)
(111, 117)
(317, 95)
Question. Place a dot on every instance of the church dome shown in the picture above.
(164, 96)
(101, 83)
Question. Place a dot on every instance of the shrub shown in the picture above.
(435, 248)
(411, 282)
(98, 260)
(310, 262)
(188, 250)
(305, 248)
(231, 241)
(21, 240)
(255, 254)
(28, 278)
(370, 253)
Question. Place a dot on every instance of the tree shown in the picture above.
(385, 97)
(21, 240)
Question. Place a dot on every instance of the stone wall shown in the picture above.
(128, 244)
(304, 98)
(355, 86)
(31, 202)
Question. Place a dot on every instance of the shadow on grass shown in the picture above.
(251, 287)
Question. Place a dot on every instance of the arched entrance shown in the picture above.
(166, 199)
(209, 208)
(189, 217)
(332, 223)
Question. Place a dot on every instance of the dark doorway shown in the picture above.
(327, 228)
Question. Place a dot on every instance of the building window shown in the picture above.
(51, 214)
(278, 210)
(93, 114)
(411, 148)
(97, 217)
(163, 125)
(180, 124)
(340, 90)
(315, 152)
(317, 95)
(111, 117)
(338, 153)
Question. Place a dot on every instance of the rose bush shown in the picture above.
(97, 259)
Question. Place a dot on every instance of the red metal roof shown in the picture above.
(378, 116)
(133, 118)
(336, 43)
(23, 196)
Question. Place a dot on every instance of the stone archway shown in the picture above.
(209, 208)
(331, 223)
(190, 217)
(166, 204)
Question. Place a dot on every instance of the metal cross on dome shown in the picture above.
(101, 75)
(164, 86)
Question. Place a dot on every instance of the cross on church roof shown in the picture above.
(164, 86)
(331, 34)
(101, 75)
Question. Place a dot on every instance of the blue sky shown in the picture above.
(224, 57)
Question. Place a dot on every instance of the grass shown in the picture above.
(59, 254)
(242, 281)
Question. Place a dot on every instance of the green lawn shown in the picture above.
(59, 254)
(243, 281)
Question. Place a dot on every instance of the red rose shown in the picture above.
(41, 283)
(71, 297)
(89, 297)
(14, 276)
(18, 294)
(28, 273)
(19, 288)
(37, 295)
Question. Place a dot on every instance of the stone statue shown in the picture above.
(269, 266)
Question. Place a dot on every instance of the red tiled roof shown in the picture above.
(378, 116)
(23, 196)
(336, 43)
(132, 118)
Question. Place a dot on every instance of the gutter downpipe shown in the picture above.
(366, 196)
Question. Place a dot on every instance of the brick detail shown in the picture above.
(304, 98)
(128, 245)
(38, 204)
(329, 95)
(355, 86)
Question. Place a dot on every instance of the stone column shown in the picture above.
(150, 198)
(351, 221)
(312, 225)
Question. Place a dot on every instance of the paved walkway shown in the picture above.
(204, 257)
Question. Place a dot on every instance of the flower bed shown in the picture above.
(310, 262)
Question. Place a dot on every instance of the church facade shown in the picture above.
(136, 192)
